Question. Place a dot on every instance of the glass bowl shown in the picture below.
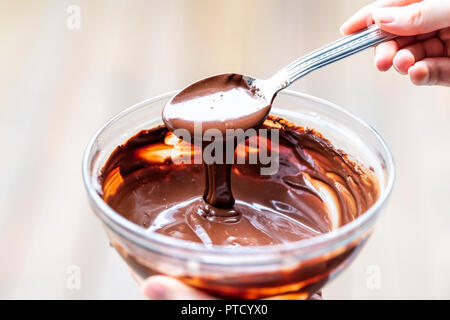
(294, 270)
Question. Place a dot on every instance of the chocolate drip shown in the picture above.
(218, 191)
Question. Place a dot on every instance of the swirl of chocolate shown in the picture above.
(317, 188)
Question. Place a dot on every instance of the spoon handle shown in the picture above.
(332, 52)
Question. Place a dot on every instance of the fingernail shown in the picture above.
(382, 15)
(154, 290)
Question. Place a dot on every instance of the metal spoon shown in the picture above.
(178, 115)
(330, 53)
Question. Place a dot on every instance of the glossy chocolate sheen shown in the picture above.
(316, 189)
(220, 102)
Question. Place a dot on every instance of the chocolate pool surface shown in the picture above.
(316, 188)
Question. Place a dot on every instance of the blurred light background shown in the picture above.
(58, 86)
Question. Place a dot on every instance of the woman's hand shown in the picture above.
(167, 288)
(423, 50)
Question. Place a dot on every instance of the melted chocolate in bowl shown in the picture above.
(316, 189)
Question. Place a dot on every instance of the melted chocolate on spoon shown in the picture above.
(220, 102)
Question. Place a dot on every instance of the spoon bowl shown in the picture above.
(222, 102)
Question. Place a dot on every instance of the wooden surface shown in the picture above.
(58, 86)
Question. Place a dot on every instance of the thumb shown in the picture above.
(431, 71)
(417, 18)
(166, 288)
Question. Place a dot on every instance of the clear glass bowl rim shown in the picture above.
(222, 255)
